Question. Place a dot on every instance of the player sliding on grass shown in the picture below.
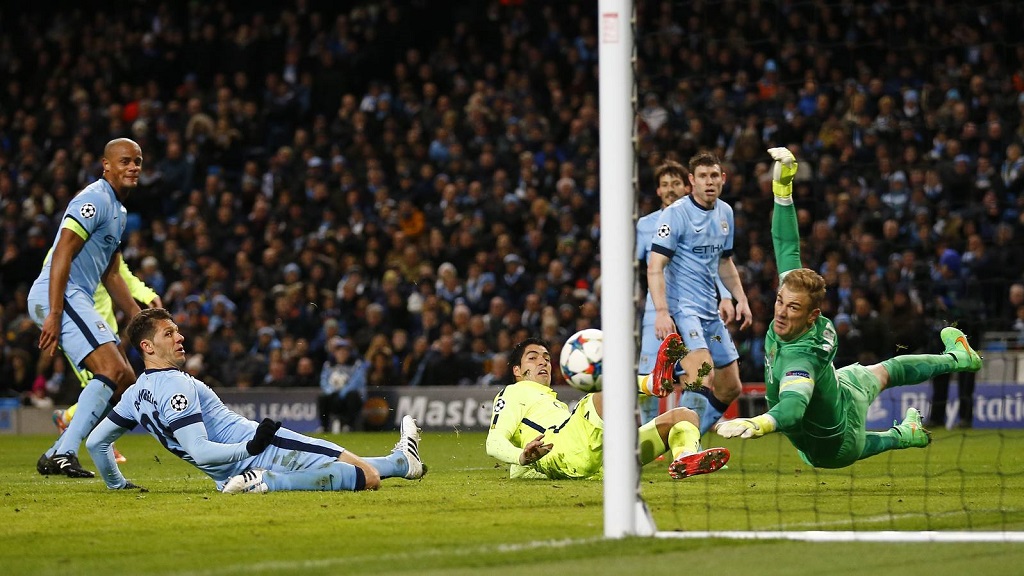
(538, 435)
(188, 418)
(820, 409)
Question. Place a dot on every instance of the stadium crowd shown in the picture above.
(417, 181)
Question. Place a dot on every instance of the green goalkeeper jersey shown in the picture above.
(801, 387)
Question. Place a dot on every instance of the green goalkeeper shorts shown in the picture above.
(577, 444)
(859, 388)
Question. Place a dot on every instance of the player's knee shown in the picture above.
(681, 414)
(121, 375)
(727, 382)
(92, 444)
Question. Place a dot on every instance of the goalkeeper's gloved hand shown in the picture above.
(261, 439)
(783, 172)
(747, 427)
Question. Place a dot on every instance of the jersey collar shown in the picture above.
(697, 204)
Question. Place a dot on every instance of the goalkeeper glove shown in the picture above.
(263, 436)
(783, 172)
(747, 427)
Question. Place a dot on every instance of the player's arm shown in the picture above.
(204, 452)
(641, 257)
(785, 231)
(99, 445)
(795, 391)
(656, 264)
(138, 289)
(118, 288)
(726, 307)
(69, 243)
(730, 277)
(505, 420)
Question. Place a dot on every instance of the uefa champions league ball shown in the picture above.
(581, 360)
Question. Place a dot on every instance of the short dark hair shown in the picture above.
(143, 325)
(673, 168)
(516, 356)
(704, 159)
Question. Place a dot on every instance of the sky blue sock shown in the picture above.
(332, 476)
(650, 406)
(393, 465)
(701, 402)
(93, 405)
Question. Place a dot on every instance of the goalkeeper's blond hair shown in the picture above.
(807, 281)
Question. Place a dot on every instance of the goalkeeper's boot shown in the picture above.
(671, 351)
(248, 482)
(68, 465)
(911, 432)
(967, 360)
(703, 462)
(409, 446)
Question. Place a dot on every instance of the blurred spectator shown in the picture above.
(298, 180)
(497, 375)
(343, 387)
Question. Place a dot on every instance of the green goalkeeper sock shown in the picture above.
(878, 442)
(915, 368)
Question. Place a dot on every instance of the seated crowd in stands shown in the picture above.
(420, 180)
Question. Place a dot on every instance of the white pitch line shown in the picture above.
(298, 565)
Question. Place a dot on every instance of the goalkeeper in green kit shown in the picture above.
(820, 409)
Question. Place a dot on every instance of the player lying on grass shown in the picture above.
(538, 435)
(820, 409)
(188, 418)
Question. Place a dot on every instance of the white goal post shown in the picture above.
(625, 513)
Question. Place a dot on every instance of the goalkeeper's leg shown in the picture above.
(914, 368)
(910, 433)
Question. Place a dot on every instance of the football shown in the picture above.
(581, 360)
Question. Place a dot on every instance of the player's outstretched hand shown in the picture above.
(783, 171)
(534, 450)
(746, 427)
(263, 436)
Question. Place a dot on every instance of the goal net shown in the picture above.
(902, 117)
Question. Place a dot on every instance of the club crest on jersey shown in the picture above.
(101, 326)
(664, 230)
(725, 227)
(693, 334)
(179, 402)
(88, 210)
(499, 404)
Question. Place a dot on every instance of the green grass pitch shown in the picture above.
(467, 517)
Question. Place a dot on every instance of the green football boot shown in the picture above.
(967, 360)
(911, 432)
